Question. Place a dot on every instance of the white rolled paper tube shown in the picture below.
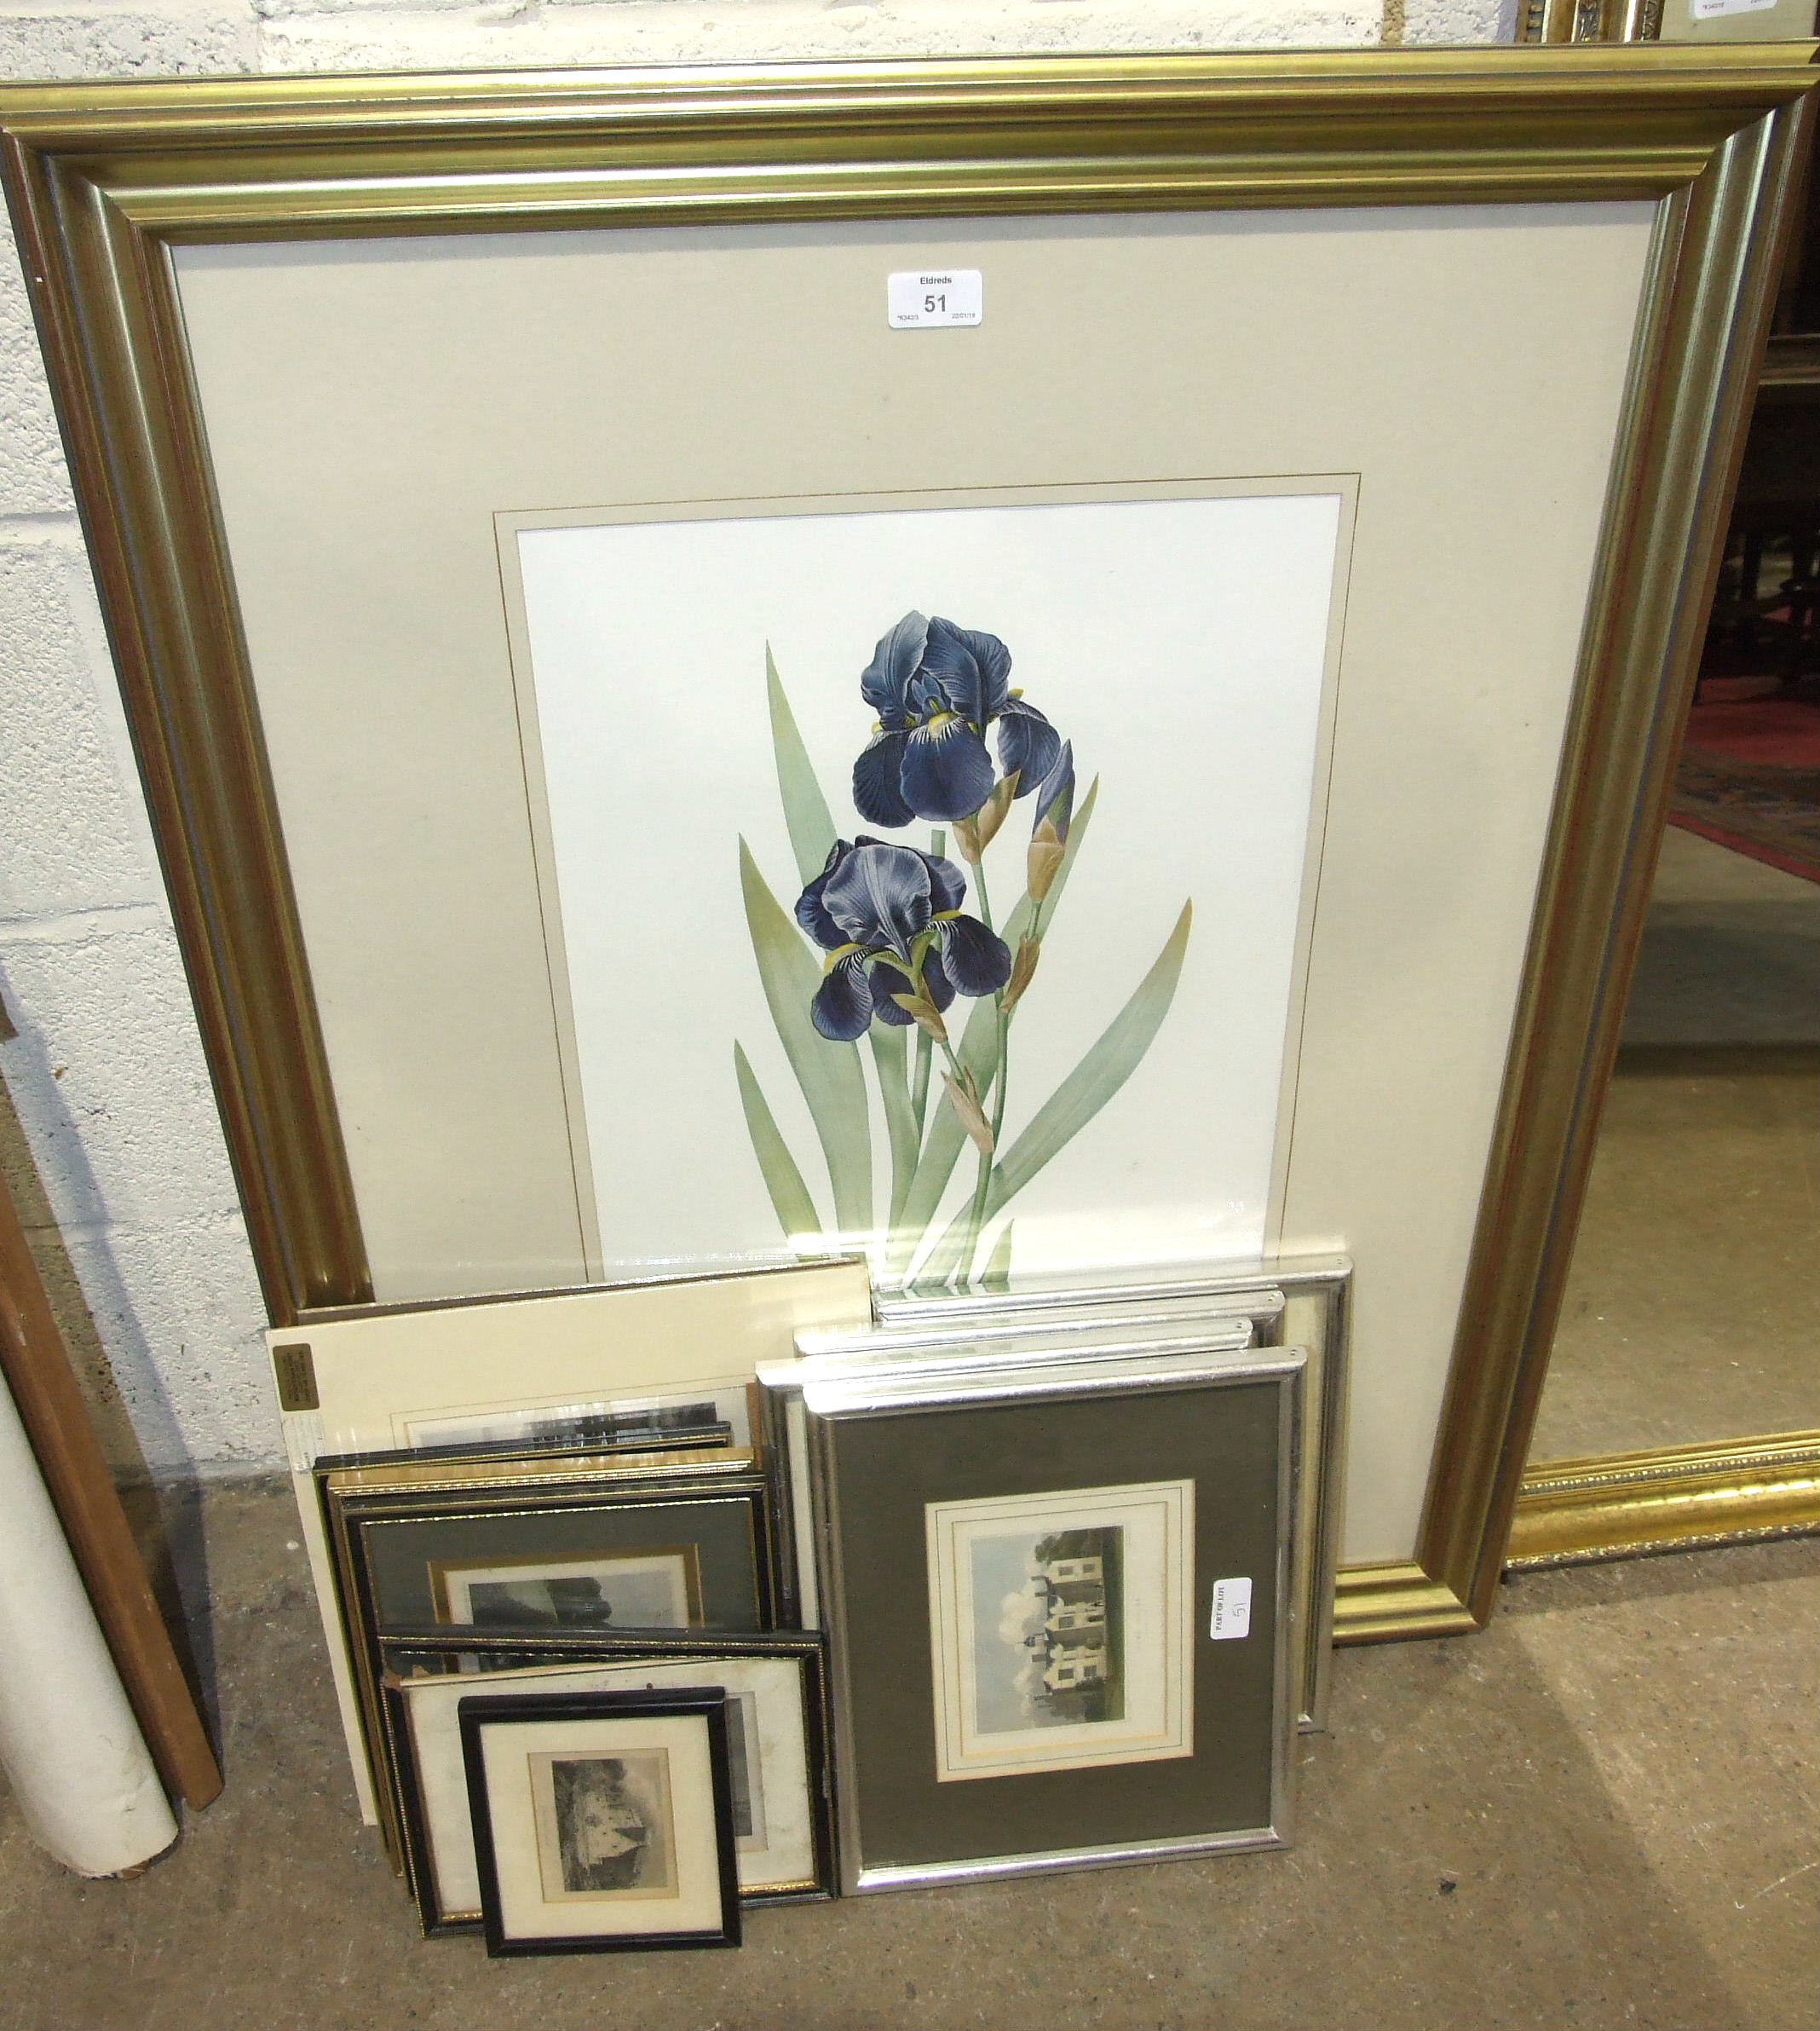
(69, 1742)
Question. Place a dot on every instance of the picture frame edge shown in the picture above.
(710, 1709)
(806, 1648)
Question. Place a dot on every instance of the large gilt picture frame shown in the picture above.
(119, 190)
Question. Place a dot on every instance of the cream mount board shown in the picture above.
(376, 707)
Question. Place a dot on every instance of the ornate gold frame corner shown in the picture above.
(1588, 20)
(105, 181)
(1667, 1499)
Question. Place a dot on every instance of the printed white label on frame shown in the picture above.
(1231, 1617)
(1710, 10)
(922, 302)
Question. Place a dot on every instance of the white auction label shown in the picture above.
(925, 301)
(1231, 1610)
(1710, 10)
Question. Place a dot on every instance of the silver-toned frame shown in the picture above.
(1303, 1300)
(966, 1351)
(853, 1392)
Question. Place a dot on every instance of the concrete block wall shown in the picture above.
(111, 1139)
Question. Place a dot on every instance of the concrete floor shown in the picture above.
(1692, 1311)
(1599, 1814)
(1731, 951)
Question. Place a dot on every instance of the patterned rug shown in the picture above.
(1750, 776)
(1771, 813)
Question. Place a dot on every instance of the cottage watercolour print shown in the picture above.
(927, 881)
(1059, 1628)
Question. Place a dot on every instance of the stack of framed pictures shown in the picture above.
(581, 1730)
(932, 1598)
(775, 1697)
(660, 1364)
(1050, 1560)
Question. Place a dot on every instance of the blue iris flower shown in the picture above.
(936, 688)
(890, 920)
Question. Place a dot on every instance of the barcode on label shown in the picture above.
(1231, 1610)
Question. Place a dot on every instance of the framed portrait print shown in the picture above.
(539, 1544)
(1169, 769)
(776, 1691)
(602, 1822)
(1059, 1613)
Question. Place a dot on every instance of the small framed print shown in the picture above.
(540, 1543)
(1032, 1579)
(777, 1726)
(602, 1822)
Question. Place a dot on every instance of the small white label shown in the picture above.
(1710, 10)
(306, 1438)
(1231, 1610)
(922, 302)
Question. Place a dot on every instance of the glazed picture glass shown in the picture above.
(991, 816)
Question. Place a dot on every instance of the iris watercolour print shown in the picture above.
(901, 954)
(927, 881)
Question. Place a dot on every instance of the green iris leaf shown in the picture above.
(805, 808)
(829, 1073)
(1099, 1075)
(790, 1200)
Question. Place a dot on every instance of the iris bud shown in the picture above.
(1043, 862)
(927, 1015)
(1054, 813)
(1023, 969)
(972, 1116)
(991, 815)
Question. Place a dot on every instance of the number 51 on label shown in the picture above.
(923, 301)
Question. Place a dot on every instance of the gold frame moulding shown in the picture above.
(106, 180)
